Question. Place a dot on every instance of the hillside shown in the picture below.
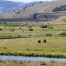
(43, 10)
(43, 7)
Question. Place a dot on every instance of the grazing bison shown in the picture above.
(0, 29)
(44, 26)
(39, 41)
(44, 41)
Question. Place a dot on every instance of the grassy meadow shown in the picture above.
(28, 39)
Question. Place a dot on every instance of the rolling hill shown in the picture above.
(42, 11)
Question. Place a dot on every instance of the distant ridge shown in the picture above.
(8, 5)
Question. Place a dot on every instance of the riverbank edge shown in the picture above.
(34, 55)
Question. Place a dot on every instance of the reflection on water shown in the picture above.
(31, 58)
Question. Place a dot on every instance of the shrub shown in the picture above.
(20, 28)
(31, 29)
(60, 8)
(63, 34)
(44, 26)
(30, 26)
(30, 35)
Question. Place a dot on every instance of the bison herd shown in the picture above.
(44, 41)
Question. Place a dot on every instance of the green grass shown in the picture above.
(25, 42)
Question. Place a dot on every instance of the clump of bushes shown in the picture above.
(30, 35)
(44, 26)
(30, 29)
(63, 33)
(33, 54)
(30, 26)
(20, 28)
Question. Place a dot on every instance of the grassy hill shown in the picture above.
(43, 11)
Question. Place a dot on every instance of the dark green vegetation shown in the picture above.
(61, 8)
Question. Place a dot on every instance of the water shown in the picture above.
(31, 58)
